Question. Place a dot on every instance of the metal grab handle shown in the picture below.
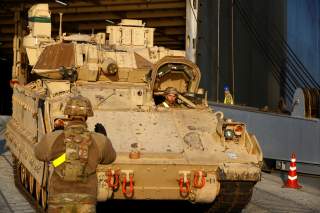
(115, 184)
(184, 192)
(196, 183)
(128, 194)
(187, 101)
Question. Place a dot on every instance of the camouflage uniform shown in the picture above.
(228, 99)
(73, 183)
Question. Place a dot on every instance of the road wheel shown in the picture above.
(23, 175)
(38, 192)
(233, 196)
(31, 183)
(43, 198)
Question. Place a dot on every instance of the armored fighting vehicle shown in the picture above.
(187, 153)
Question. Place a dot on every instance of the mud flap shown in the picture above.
(239, 172)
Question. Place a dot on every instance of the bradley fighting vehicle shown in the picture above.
(188, 153)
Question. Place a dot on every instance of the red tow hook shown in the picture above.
(12, 82)
(113, 182)
(128, 194)
(196, 183)
(184, 191)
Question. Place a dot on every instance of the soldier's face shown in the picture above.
(171, 98)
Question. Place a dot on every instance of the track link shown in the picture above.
(29, 197)
(233, 197)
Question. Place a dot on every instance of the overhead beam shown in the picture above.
(167, 38)
(6, 37)
(149, 23)
(112, 2)
(173, 30)
(166, 43)
(6, 15)
(25, 5)
(7, 11)
(167, 22)
(6, 21)
(29, 3)
(162, 38)
(114, 15)
(175, 47)
(156, 14)
(86, 17)
(6, 45)
(125, 7)
(7, 30)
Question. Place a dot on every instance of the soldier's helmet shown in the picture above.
(226, 88)
(78, 106)
(171, 90)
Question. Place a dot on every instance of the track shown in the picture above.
(233, 197)
(24, 185)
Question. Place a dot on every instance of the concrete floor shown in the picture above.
(269, 196)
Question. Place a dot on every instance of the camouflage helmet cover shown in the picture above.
(78, 106)
(171, 90)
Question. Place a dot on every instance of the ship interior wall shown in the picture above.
(5, 89)
(251, 80)
(303, 33)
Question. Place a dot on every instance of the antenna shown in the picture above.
(60, 27)
(62, 2)
(109, 21)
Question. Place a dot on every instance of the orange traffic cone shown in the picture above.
(292, 181)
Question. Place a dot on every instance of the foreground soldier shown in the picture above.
(75, 153)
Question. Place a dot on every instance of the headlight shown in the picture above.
(238, 130)
(228, 134)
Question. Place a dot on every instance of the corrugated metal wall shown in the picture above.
(5, 90)
(303, 33)
(254, 83)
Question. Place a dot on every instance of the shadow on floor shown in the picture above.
(3, 147)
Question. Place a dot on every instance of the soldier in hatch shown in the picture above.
(170, 95)
(75, 153)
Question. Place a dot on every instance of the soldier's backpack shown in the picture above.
(77, 140)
